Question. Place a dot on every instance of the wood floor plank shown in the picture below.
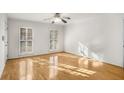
(60, 66)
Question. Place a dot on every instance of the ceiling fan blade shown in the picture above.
(63, 20)
(67, 18)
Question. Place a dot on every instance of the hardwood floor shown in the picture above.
(60, 66)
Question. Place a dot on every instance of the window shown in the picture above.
(53, 40)
(25, 40)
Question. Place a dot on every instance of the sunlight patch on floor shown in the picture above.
(72, 72)
(77, 69)
(67, 66)
(86, 71)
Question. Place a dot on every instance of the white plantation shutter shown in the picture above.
(53, 39)
(25, 40)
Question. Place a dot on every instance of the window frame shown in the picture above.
(19, 39)
(52, 39)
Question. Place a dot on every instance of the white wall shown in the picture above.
(101, 34)
(3, 18)
(41, 36)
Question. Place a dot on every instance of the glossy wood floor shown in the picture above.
(60, 66)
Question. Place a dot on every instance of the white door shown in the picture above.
(123, 42)
(2, 43)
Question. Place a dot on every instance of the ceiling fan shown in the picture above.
(58, 18)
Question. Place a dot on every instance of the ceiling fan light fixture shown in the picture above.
(57, 20)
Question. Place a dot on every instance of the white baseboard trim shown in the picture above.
(51, 52)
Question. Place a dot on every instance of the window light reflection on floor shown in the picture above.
(67, 68)
(25, 70)
(77, 69)
(53, 71)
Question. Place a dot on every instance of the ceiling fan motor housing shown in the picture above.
(57, 15)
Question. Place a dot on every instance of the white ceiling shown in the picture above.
(39, 17)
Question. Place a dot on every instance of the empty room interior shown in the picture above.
(61, 46)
